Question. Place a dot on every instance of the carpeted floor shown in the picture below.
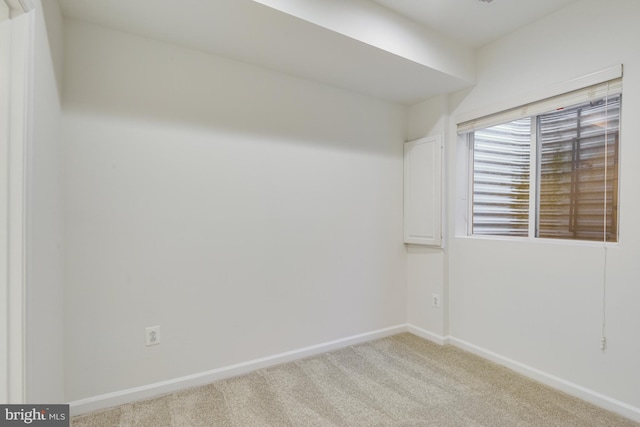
(397, 381)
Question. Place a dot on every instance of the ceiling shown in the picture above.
(402, 51)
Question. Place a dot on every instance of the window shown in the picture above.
(550, 169)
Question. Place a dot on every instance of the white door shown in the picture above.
(423, 191)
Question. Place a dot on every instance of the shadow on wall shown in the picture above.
(116, 74)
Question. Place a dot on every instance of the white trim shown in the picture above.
(27, 5)
(18, 7)
(19, 116)
(427, 335)
(557, 383)
(540, 240)
(516, 102)
(5, 119)
(152, 390)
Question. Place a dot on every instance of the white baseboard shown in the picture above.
(157, 389)
(570, 388)
(427, 335)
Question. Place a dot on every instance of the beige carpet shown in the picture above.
(397, 381)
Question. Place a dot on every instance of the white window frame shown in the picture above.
(530, 104)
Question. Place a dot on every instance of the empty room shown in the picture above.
(321, 212)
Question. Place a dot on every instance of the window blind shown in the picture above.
(574, 139)
(578, 164)
(587, 94)
(501, 159)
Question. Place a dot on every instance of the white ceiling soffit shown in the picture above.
(473, 22)
(351, 44)
(377, 26)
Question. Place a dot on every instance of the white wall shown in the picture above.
(426, 272)
(44, 331)
(539, 304)
(246, 212)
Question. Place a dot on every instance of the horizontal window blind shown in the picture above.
(578, 171)
(501, 158)
(587, 94)
(569, 189)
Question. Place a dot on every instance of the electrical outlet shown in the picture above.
(436, 300)
(152, 335)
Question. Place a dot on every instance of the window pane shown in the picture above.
(501, 156)
(579, 171)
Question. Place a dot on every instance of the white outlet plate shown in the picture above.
(152, 335)
(435, 300)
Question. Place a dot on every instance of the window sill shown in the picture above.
(542, 241)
